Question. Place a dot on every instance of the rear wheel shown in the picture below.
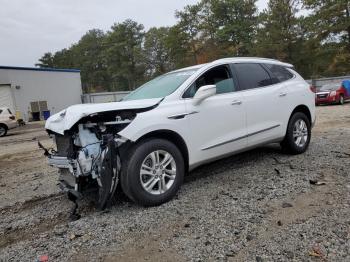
(341, 100)
(154, 172)
(298, 134)
(3, 130)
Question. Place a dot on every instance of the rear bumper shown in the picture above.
(12, 124)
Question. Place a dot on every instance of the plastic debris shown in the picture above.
(317, 183)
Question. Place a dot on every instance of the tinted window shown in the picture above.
(252, 76)
(279, 72)
(219, 76)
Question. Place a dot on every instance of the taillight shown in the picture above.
(12, 117)
(313, 89)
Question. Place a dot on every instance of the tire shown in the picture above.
(290, 142)
(341, 100)
(134, 184)
(3, 130)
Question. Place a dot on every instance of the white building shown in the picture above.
(36, 93)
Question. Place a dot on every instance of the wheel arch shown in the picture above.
(303, 109)
(173, 137)
(4, 125)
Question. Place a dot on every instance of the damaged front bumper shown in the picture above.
(86, 164)
(60, 162)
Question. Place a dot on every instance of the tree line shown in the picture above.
(313, 35)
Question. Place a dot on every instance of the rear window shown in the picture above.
(279, 72)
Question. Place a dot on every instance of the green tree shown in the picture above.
(123, 53)
(156, 53)
(46, 61)
(231, 24)
(278, 30)
(329, 24)
(87, 54)
(190, 25)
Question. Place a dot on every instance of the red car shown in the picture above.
(333, 93)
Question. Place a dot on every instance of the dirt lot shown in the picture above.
(255, 206)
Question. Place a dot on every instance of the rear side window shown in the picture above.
(252, 76)
(279, 72)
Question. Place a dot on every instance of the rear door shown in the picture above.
(264, 99)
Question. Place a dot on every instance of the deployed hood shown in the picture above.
(66, 119)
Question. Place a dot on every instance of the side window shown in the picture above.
(279, 72)
(9, 111)
(0, 111)
(252, 76)
(219, 76)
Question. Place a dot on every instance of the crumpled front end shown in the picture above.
(88, 147)
(88, 161)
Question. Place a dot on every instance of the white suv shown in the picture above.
(7, 120)
(176, 122)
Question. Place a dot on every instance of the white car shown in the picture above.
(152, 138)
(7, 121)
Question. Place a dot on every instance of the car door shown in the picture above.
(217, 124)
(264, 99)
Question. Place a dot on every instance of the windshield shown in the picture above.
(161, 86)
(331, 86)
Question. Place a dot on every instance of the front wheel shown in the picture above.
(298, 134)
(154, 172)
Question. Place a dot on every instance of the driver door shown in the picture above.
(218, 124)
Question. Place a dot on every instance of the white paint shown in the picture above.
(59, 89)
(6, 97)
(218, 125)
(65, 119)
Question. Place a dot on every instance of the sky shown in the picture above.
(30, 28)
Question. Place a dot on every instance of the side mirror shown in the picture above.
(203, 93)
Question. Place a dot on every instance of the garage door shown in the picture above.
(6, 99)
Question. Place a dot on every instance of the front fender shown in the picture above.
(155, 120)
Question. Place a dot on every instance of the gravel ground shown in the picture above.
(255, 206)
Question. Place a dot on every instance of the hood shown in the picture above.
(66, 119)
(323, 92)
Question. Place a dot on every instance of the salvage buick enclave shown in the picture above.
(148, 141)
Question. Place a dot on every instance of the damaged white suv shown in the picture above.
(176, 122)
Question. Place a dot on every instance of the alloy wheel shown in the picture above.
(158, 172)
(300, 133)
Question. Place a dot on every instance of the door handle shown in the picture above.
(283, 94)
(236, 102)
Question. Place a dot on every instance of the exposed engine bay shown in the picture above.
(88, 156)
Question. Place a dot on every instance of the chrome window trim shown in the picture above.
(236, 91)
